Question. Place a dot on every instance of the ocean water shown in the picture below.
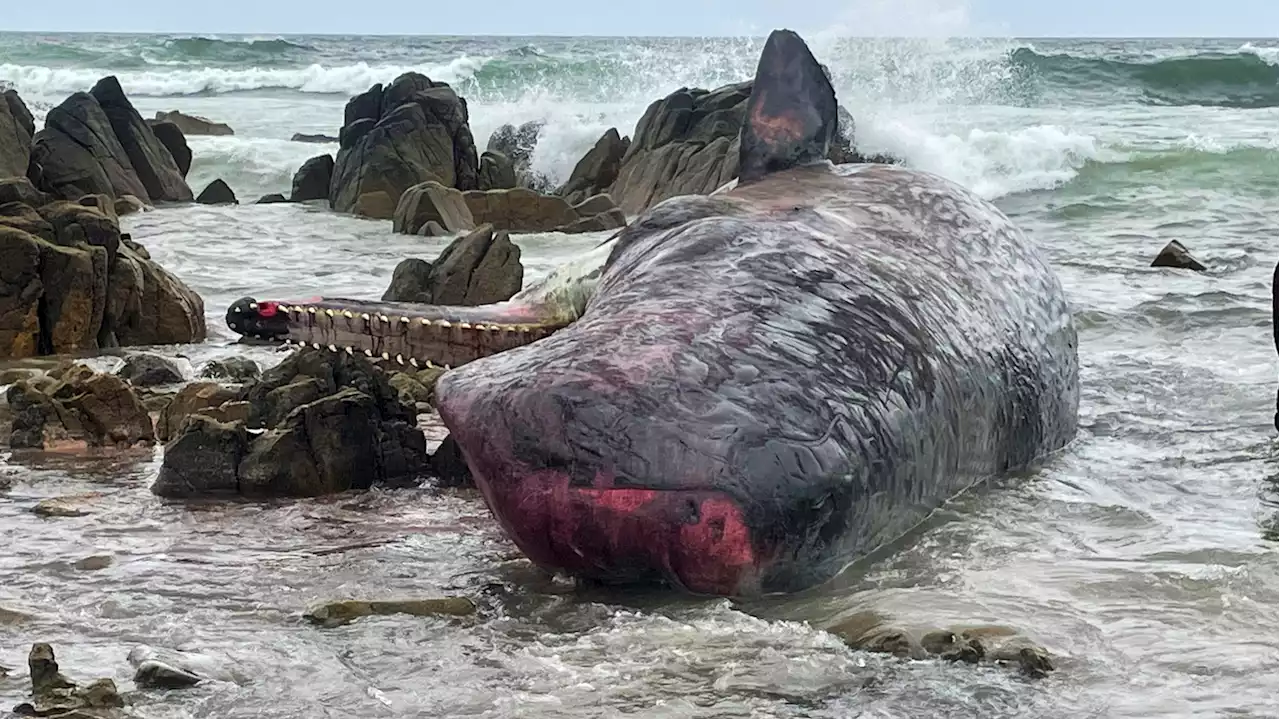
(1144, 557)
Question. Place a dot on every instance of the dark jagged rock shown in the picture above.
(598, 169)
(311, 182)
(274, 198)
(300, 137)
(333, 422)
(80, 155)
(151, 160)
(497, 171)
(476, 269)
(217, 193)
(393, 138)
(517, 144)
(69, 283)
(448, 465)
(194, 124)
(170, 135)
(1176, 255)
(432, 202)
(17, 128)
(148, 370)
(687, 144)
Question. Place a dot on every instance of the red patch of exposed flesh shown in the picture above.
(608, 532)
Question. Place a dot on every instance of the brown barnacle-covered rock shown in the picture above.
(334, 614)
(331, 422)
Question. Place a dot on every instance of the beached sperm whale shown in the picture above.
(760, 386)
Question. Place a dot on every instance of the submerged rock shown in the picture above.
(989, 644)
(148, 370)
(320, 138)
(194, 124)
(1176, 255)
(338, 613)
(217, 193)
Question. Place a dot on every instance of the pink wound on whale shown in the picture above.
(696, 538)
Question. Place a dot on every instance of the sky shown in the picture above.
(1003, 18)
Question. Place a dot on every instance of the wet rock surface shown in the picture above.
(80, 405)
(96, 143)
(311, 181)
(148, 370)
(217, 193)
(334, 614)
(54, 695)
(70, 281)
(476, 269)
(194, 124)
(332, 422)
(1176, 255)
(395, 137)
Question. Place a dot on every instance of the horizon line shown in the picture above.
(195, 34)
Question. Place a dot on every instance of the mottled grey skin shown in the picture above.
(837, 352)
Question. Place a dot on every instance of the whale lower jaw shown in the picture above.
(417, 335)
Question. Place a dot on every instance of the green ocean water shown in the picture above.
(1144, 558)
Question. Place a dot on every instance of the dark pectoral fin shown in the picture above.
(792, 113)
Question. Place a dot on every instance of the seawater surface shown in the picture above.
(1143, 557)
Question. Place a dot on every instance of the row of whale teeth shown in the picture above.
(399, 358)
(445, 324)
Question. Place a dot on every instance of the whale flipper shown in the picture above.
(792, 113)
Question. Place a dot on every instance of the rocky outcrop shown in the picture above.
(311, 181)
(151, 160)
(523, 210)
(476, 269)
(434, 210)
(598, 169)
(81, 405)
(517, 145)
(393, 138)
(17, 127)
(333, 422)
(194, 124)
(68, 282)
(274, 198)
(217, 193)
(170, 135)
(432, 202)
(497, 171)
(20, 189)
(209, 399)
(687, 144)
(318, 139)
(97, 143)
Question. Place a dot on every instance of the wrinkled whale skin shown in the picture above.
(771, 382)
